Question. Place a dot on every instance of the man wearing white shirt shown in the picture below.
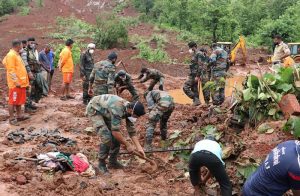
(208, 153)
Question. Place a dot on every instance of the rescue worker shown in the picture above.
(205, 73)
(102, 78)
(207, 154)
(86, 67)
(218, 67)
(17, 81)
(155, 76)
(39, 85)
(278, 173)
(123, 82)
(161, 106)
(66, 66)
(190, 87)
(106, 112)
(281, 51)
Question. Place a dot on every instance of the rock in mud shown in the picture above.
(21, 180)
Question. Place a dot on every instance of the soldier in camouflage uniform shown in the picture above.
(205, 73)
(153, 74)
(106, 112)
(30, 58)
(218, 64)
(161, 106)
(190, 87)
(102, 78)
(86, 67)
(123, 81)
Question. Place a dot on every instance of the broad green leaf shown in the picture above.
(246, 171)
(209, 130)
(269, 79)
(252, 81)
(247, 95)
(286, 75)
(272, 111)
(175, 134)
(263, 96)
(285, 87)
(263, 128)
(293, 125)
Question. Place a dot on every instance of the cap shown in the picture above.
(91, 46)
(192, 44)
(121, 73)
(112, 55)
(138, 108)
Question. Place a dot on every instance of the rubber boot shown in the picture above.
(102, 167)
(114, 164)
(196, 101)
(148, 145)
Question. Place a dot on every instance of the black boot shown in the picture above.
(113, 163)
(102, 167)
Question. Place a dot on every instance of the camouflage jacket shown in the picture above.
(103, 73)
(33, 61)
(219, 56)
(23, 54)
(86, 64)
(120, 82)
(198, 64)
(113, 108)
(160, 98)
(151, 74)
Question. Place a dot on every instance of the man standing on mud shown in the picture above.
(218, 66)
(106, 112)
(281, 51)
(161, 105)
(66, 66)
(17, 81)
(86, 67)
(190, 87)
(155, 76)
(102, 78)
(207, 153)
(279, 172)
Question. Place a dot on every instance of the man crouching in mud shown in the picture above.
(106, 112)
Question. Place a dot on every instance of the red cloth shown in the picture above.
(79, 164)
(17, 96)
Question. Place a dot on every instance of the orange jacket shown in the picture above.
(66, 60)
(15, 70)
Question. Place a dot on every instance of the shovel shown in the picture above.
(153, 164)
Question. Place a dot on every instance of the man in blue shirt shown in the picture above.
(51, 56)
(208, 153)
(46, 58)
(279, 172)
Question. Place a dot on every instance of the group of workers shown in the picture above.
(102, 87)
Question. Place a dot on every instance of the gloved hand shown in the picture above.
(161, 87)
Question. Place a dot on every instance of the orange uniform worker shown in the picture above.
(66, 66)
(17, 81)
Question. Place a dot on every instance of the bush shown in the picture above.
(152, 55)
(110, 32)
(8, 6)
(72, 27)
(39, 3)
(24, 10)
(76, 52)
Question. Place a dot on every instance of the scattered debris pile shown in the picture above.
(44, 136)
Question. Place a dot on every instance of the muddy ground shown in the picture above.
(68, 117)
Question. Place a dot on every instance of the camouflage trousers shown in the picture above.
(190, 88)
(206, 92)
(100, 90)
(108, 143)
(218, 95)
(161, 82)
(131, 90)
(29, 90)
(85, 95)
(161, 114)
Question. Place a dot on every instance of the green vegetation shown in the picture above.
(258, 101)
(39, 3)
(110, 32)
(225, 20)
(72, 27)
(24, 10)
(8, 6)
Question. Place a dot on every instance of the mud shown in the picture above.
(68, 117)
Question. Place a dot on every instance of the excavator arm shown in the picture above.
(241, 44)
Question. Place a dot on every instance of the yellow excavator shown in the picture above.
(233, 49)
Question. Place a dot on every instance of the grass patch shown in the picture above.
(130, 21)
(39, 3)
(24, 10)
(152, 55)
